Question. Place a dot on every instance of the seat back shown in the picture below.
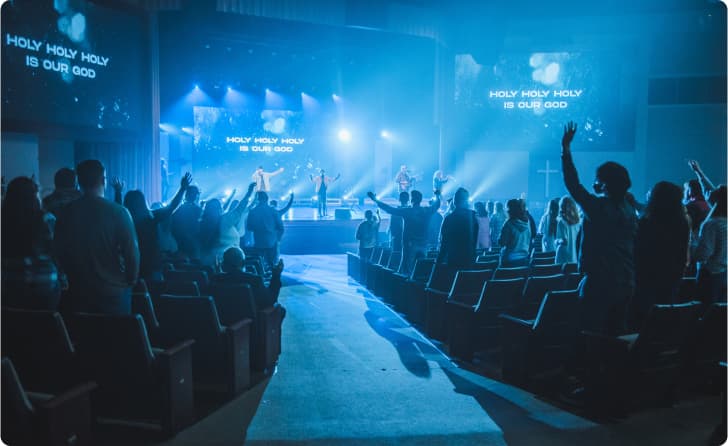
(664, 333)
(490, 264)
(558, 315)
(487, 258)
(375, 255)
(384, 257)
(542, 255)
(17, 411)
(189, 317)
(535, 290)
(543, 261)
(441, 278)
(141, 304)
(256, 265)
(468, 284)
(234, 302)
(394, 260)
(688, 290)
(181, 288)
(39, 345)
(511, 273)
(500, 295)
(545, 270)
(572, 281)
(198, 276)
(569, 268)
(422, 270)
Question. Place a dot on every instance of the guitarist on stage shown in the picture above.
(404, 179)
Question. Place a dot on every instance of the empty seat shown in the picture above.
(199, 277)
(466, 288)
(221, 354)
(404, 287)
(534, 292)
(706, 344)
(545, 270)
(235, 302)
(539, 346)
(477, 326)
(181, 288)
(569, 268)
(511, 273)
(490, 264)
(136, 383)
(39, 345)
(383, 281)
(141, 304)
(440, 283)
(63, 418)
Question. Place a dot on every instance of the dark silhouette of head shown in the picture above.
(233, 259)
(489, 206)
(416, 197)
(693, 190)
(516, 209)
(91, 175)
(612, 180)
(665, 200)
(404, 198)
(462, 197)
(21, 217)
(499, 207)
(136, 203)
(553, 207)
(273, 204)
(480, 209)
(65, 178)
(262, 197)
(21, 197)
(192, 194)
(368, 215)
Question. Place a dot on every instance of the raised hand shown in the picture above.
(694, 166)
(569, 132)
(371, 195)
(117, 184)
(251, 186)
(186, 180)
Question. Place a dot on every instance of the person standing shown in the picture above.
(367, 233)
(185, 224)
(262, 179)
(96, 247)
(439, 180)
(567, 230)
(403, 179)
(515, 236)
(65, 191)
(416, 223)
(459, 233)
(396, 224)
(481, 214)
(607, 244)
(266, 225)
(322, 183)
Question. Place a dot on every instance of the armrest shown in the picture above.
(515, 320)
(66, 418)
(605, 339)
(57, 401)
(461, 305)
(237, 340)
(174, 372)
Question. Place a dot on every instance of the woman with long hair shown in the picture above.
(147, 223)
(218, 228)
(661, 251)
(547, 226)
(483, 226)
(567, 231)
(497, 219)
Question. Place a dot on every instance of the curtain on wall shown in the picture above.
(129, 160)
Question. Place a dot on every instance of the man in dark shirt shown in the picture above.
(185, 224)
(396, 224)
(265, 224)
(233, 262)
(607, 247)
(96, 247)
(459, 233)
(416, 222)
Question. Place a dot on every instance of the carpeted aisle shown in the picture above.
(353, 372)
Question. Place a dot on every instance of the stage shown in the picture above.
(306, 233)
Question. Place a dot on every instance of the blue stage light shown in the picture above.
(344, 135)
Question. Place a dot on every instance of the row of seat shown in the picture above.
(532, 321)
(148, 366)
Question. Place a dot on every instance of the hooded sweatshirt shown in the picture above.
(515, 239)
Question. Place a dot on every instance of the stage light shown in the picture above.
(344, 135)
(335, 97)
(197, 87)
(385, 134)
(229, 88)
(346, 197)
(471, 199)
(228, 192)
(315, 198)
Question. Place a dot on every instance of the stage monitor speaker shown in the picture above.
(342, 214)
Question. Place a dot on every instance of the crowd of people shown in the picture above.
(77, 251)
(632, 255)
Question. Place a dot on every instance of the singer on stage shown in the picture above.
(262, 179)
(322, 183)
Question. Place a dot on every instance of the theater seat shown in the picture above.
(220, 354)
(136, 383)
(28, 418)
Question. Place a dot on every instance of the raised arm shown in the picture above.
(229, 201)
(276, 172)
(118, 186)
(246, 199)
(167, 211)
(434, 207)
(287, 206)
(705, 183)
(385, 207)
(129, 247)
(571, 177)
